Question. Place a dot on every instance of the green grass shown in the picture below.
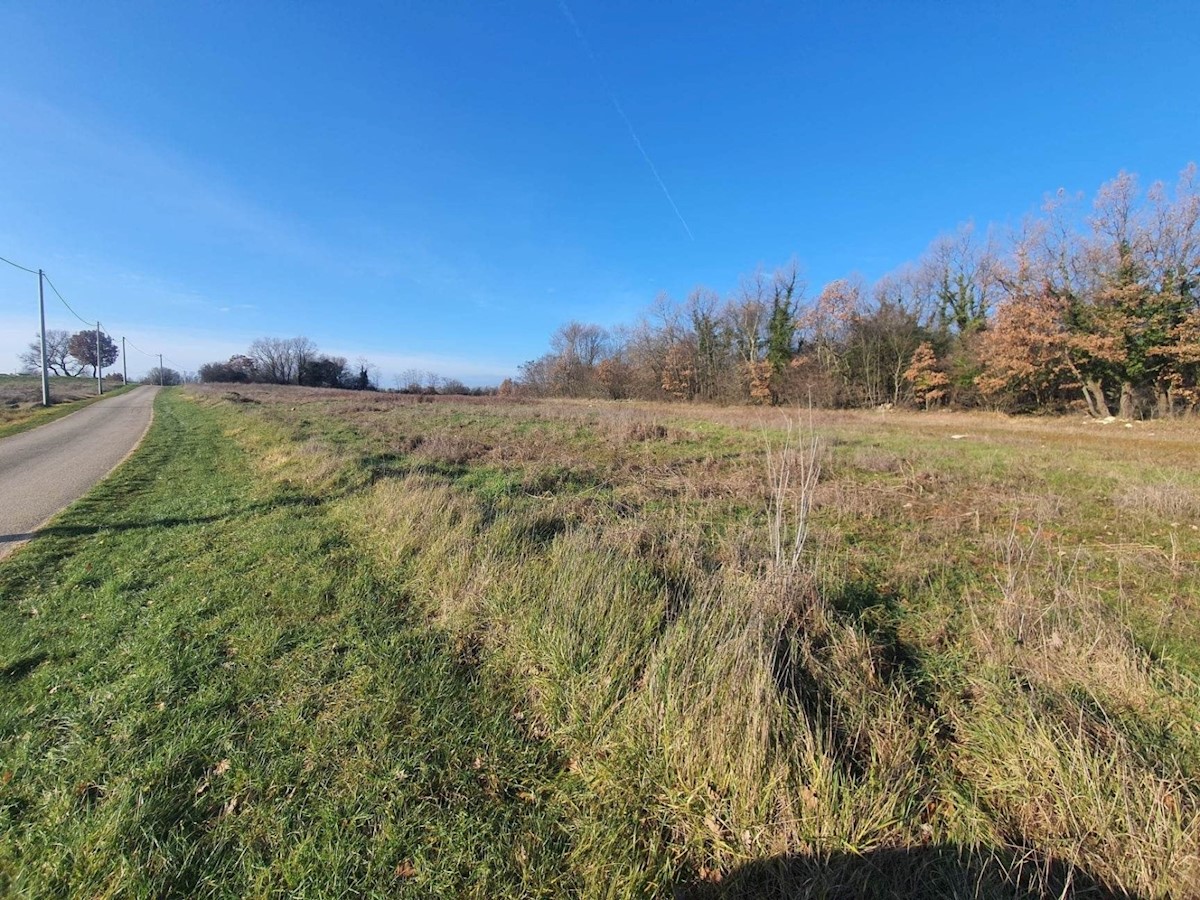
(206, 692)
(21, 397)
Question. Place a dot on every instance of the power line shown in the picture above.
(17, 266)
(64, 300)
(44, 279)
(138, 349)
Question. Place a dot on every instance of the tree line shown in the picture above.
(298, 361)
(417, 381)
(1095, 309)
(290, 361)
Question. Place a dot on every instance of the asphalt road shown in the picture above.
(46, 469)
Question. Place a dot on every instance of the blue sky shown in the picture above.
(440, 185)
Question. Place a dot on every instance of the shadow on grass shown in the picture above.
(904, 874)
(17, 670)
(82, 530)
(74, 529)
(877, 613)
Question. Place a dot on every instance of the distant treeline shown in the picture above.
(415, 381)
(298, 361)
(1099, 312)
(290, 361)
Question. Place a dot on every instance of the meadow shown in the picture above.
(316, 643)
(21, 399)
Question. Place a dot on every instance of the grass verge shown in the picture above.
(206, 692)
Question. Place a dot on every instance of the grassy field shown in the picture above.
(21, 399)
(321, 643)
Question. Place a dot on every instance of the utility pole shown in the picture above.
(99, 374)
(160, 375)
(124, 365)
(42, 313)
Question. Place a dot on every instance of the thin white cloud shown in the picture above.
(166, 183)
(163, 176)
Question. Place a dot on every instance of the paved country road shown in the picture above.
(44, 470)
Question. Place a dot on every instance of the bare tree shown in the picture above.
(303, 351)
(963, 272)
(537, 375)
(579, 349)
(281, 360)
(745, 317)
(58, 354)
(710, 340)
(409, 381)
(271, 360)
(165, 376)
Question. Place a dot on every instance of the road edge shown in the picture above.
(7, 550)
(85, 403)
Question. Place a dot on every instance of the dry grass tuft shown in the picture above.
(1169, 500)
(450, 448)
(874, 459)
(1056, 730)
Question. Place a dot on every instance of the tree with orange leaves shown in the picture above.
(929, 382)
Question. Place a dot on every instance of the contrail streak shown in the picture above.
(612, 95)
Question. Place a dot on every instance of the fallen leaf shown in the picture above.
(715, 827)
(405, 870)
(809, 797)
(222, 767)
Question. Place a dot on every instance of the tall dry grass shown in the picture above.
(721, 703)
(1077, 740)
